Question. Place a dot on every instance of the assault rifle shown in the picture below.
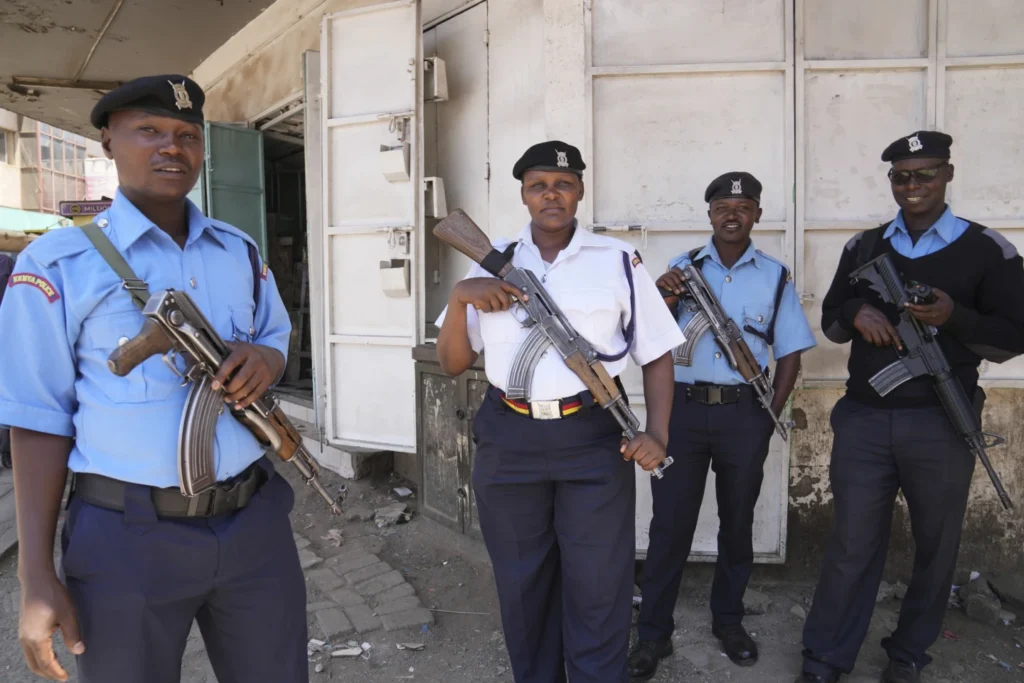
(708, 314)
(925, 357)
(174, 325)
(459, 231)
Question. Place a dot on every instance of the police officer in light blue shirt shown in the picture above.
(139, 565)
(946, 230)
(717, 421)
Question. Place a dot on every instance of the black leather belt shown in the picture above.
(714, 394)
(227, 496)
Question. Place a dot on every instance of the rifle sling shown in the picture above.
(137, 288)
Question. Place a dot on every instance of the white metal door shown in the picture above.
(372, 95)
(673, 102)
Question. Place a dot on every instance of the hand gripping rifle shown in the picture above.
(708, 314)
(174, 325)
(925, 357)
(459, 231)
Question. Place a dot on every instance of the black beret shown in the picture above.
(170, 95)
(737, 184)
(924, 144)
(553, 155)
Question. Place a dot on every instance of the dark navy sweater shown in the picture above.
(983, 274)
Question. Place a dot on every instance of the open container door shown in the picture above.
(371, 71)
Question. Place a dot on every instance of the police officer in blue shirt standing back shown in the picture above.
(555, 486)
(717, 421)
(137, 569)
(905, 440)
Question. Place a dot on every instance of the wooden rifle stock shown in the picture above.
(458, 230)
(746, 364)
(151, 341)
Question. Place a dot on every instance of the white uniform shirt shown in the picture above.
(588, 282)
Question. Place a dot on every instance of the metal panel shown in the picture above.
(627, 32)
(708, 107)
(441, 443)
(984, 27)
(234, 179)
(865, 29)
(690, 129)
(516, 104)
(849, 118)
(372, 98)
(456, 137)
(313, 136)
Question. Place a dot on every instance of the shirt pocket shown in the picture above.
(242, 325)
(103, 333)
(595, 315)
(756, 317)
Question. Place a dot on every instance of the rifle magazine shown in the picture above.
(196, 467)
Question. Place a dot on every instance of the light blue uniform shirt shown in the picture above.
(747, 294)
(69, 310)
(944, 232)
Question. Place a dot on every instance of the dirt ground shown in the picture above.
(451, 573)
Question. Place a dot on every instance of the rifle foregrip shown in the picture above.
(458, 230)
(151, 341)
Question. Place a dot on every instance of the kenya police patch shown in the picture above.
(40, 283)
(263, 273)
(636, 259)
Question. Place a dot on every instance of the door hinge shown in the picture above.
(487, 36)
(487, 170)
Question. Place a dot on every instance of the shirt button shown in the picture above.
(252, 331)
(122, 341)
(103, 222)
(760, 318)
(718, 355)
(728, 278)
(193, 283)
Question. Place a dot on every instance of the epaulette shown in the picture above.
(232, 230)
(1009, 251)
(58, 244)
(776, 261)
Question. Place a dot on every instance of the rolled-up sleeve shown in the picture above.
(792, 331)
(273, 326)
(656, 331)
(37, 364)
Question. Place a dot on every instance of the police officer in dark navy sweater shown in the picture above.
(905, 440)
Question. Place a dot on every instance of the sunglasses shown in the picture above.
(921, 175)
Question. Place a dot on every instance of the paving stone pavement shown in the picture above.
(360, 593)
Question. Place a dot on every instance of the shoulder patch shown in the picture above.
(37, 281)
(636, 259)
(263, 272)
(1009, 251)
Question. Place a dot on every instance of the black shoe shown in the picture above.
(645, 655)
(806, 677)
(738, 646)
(901, 672)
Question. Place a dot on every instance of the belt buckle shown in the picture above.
(714, 395)
(545, 410)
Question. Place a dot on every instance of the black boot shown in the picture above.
(901, 672)
(806, 677)
(738, 645)
(645, 655)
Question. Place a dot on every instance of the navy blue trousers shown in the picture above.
(137, 583)
(556, 505)
(876, 453)
(733, 440)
